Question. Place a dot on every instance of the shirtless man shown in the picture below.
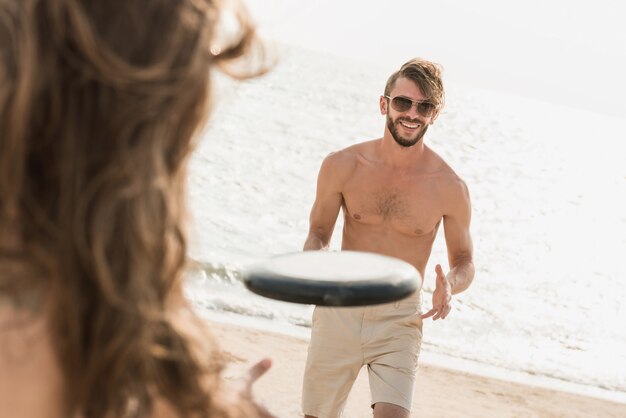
(394, 192)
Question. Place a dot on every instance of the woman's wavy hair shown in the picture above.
(100, 102)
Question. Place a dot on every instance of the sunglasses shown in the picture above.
(402, 104)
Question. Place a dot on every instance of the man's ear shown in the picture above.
(383, 105)
(434, 118)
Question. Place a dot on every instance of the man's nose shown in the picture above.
(412, 112)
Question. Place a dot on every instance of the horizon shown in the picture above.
(506, 48)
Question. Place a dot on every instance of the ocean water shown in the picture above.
(548, 188)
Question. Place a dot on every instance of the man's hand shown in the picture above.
(442, 296)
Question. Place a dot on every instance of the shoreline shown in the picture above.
(464, 394)
(429, 358)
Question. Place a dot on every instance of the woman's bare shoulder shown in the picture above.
(28, 365)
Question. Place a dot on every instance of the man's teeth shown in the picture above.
(409, 125)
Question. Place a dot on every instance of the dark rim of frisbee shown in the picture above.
(329, 293)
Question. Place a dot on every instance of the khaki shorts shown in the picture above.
(386, 338)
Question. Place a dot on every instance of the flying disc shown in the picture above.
(343, 278)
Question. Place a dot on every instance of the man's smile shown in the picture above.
(409, 125)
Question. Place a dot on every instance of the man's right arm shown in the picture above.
(327, 203)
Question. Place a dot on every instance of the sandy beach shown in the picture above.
(440, 392)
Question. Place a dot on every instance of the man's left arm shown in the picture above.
(456, 223)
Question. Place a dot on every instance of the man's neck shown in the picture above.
(398, 156)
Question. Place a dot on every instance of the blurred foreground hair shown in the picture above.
(100, 102)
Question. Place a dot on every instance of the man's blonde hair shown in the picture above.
(427, 76)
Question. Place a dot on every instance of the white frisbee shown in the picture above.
(343, 278)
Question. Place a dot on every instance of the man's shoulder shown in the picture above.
(339, 166)
(359, 149)
(348, 157)
(447, 177)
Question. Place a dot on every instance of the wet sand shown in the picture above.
(439, 393)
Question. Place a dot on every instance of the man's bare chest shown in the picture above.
(410, 204)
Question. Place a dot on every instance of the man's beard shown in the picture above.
(405, 142)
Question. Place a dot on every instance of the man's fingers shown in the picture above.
(440, 312)
(438, 315)
(429, 313)
(445, 311)
(258, 370)
(439, 270)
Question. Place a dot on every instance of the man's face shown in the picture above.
(407, 128)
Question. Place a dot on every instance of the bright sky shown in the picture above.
(567, 52)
